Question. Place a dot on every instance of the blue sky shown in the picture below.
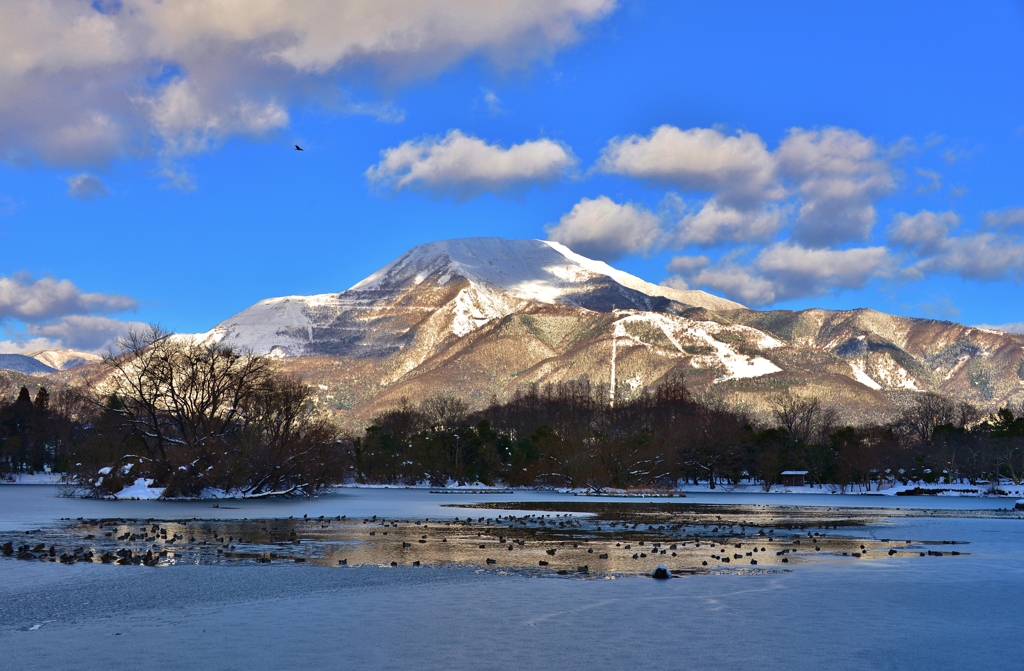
(786, 155)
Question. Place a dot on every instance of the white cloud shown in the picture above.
(785, 271)
(1002, 219)
(983, 255)
(688, 265)
(28, 346)
(603, 229)
(726, 277)
(86, 187)
(83, 82)
(1012, 327)
(715, 223)
(836, 175)
(925, 232)
(32, 300)
(738, 168)
(839, 174)
(466, 166)
(82, 332)
(934, 180)
(188, 126)
(798, 271)
(48, 313)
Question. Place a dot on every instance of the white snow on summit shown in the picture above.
(63, 359)
(499, 276)
(268, 325)
(697, 298)
(537, 270)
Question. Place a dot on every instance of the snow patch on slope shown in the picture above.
(895, 375)
(474, 308)
(737, 365)
(860, 376)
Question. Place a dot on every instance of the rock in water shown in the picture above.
(661, 573)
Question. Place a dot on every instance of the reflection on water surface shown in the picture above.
(568, 537)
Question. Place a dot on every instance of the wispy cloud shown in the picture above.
(1012, 217)
(86, 187)
(932, 181)
(981, 255)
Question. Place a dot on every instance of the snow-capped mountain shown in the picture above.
(46, 361)
(482, 316)
(22, 363)
(535, 270)
(460, 285)
(65, 359)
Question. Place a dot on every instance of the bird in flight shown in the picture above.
(298, 148)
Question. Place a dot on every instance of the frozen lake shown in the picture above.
(835, 613)
(30, 506)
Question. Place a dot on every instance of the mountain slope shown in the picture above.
(480, 317)
(536, 270)
(24, 364)
(65, 359)
(47, 361)
(456, 285)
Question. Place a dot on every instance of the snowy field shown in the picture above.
(834, 613)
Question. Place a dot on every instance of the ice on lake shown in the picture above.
(835, 613)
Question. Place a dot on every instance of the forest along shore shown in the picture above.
(174, 418)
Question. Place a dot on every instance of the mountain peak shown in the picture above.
(463, 283)
(485, 316)
(535, 270)
(64, 359)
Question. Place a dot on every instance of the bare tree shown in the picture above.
(805, 419)
(709, 442)
(203, 415)
(7, 389)
(917, 423)
(444, 411)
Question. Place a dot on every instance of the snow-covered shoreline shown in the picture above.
(31, 479)
(1004, 490)
(142, 489)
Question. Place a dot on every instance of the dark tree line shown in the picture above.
(37, 433)
(183, 416)
(569, 435)
(190, 417)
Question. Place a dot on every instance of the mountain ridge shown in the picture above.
(482, 316)
(46, 362)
